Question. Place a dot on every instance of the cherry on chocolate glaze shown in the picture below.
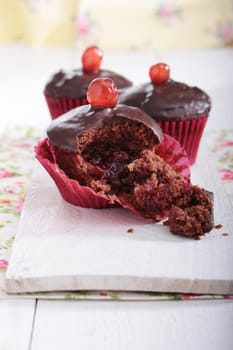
(102, 92)
(91, 59)
(159, 73)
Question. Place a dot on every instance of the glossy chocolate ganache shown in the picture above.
(74, 83)
(168, 101)
(64, 131)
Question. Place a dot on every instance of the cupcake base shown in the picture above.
(61, 105)
(71, 191)
(187, 132)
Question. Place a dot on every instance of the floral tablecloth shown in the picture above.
(16, 164)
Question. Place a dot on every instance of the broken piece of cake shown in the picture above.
(103, 154)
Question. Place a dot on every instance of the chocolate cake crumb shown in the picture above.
(197, 238)
(225, 234)
(196, 217)
(166, 222)
(130, 230)
(218, 226)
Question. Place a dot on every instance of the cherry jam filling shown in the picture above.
(111, 164)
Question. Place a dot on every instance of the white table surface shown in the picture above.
(44, 324)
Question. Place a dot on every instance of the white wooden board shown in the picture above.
(16, 323)
(163, 325)
(62, 247)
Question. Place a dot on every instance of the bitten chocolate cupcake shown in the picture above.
(180, 110)
(103, 154)
(67, 89)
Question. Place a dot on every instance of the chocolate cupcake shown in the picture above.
(67, 89)
(180, 110)
(102, 155)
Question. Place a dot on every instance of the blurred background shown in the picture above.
(38, 37)
(121, 24)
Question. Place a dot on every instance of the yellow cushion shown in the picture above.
(38, 22)
(143, 24)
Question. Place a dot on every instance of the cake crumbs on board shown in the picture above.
(130, 230)
(218, 226)
(197, 238)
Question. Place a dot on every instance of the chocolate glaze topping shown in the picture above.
(74, 83)
(64, 131)
(171, 100)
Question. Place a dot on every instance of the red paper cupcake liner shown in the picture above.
(187, 132)
(61, 105)
(174, 155)
(83, 196)
(70, 189)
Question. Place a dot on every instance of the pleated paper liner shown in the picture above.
(174, 154)
(83, 196)
(187, 132)
(70, 189)
(60, 105)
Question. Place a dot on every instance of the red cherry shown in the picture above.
(159, 73)
(102, 92)
(91, 59)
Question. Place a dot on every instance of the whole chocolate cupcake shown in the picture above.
(103, 154)
(181, 110)
(67, 89)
